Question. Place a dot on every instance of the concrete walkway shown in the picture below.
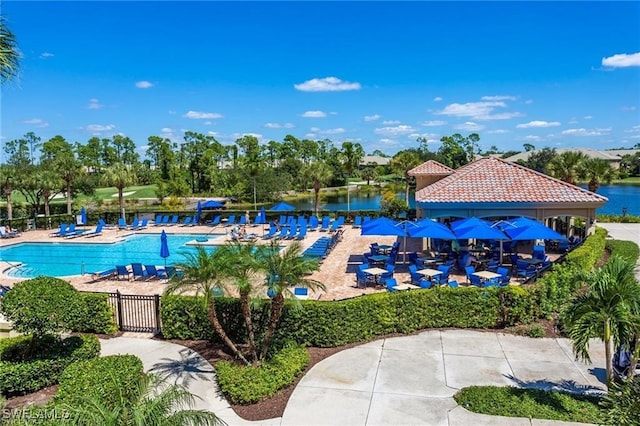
(400, 380)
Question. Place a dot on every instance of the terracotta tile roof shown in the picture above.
(431, 167)
(493, 179)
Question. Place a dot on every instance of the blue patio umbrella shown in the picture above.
(164, 247)
(427, 228)
(262, 217)
(468, 222)
(527, 229)
(282, 206)
(481, 231)
(83, 216)
(198, 212)
(386, 226)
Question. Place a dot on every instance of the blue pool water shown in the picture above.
(64, 259)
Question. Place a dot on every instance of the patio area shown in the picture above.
(337, 270)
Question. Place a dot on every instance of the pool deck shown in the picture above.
(337, 271)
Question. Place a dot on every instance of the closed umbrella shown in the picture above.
(164, 247)
(198, 212)
(83, 216)
(211, 204)
(262, 217)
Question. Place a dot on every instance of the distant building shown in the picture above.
(375, 159)
(612, 156)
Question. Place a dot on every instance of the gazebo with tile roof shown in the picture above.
(429, 172)
(493, 187)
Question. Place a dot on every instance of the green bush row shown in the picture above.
(96, 315)
(530, 403)
(107, 379)
(618, 218)
(49, 358)
(335, 323)
(250, 384)
(628, 250)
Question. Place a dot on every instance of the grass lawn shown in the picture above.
(630, 180)
(108, 194)
(530, 403)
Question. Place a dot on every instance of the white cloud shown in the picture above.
(387, 141)
(310, 135)
(528, 102)
(94, 104)
(433, 123)
(97, 128)
(622, 60)
(166, 130)
(279, 126)
(532, 138)
(45, 55)
(327, 84)
(314, 114)
(478, 110)
(497, 132)
(628, 108)
(633, 129)
(430, 137)
(588, 117)
(214, 134)
(538, 124)
(37, 122)
(198, 115)
(143, 84)
(390, 122)
(469, 126)
(437, 99)
(586, 132)
(498, 98)
(335, 131)
(373, 117)
(394, 131)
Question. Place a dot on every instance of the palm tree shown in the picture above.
(402, 163)
(6, 184)
(369, 174)
(351, 155)
(596, 170)
(319, 173)
(120, 176)
(285, 269)
(50, 182)
(9, 53)
(202, 276)
(241, 262)
(605, 310)
(156, 403)
(566, 165)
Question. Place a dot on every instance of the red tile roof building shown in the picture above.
(494, 187)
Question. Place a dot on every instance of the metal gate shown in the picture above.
(136, 313)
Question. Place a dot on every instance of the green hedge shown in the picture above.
(50, 357)
(335, 323)
(628, 250)
(96, 315)
(249, 384)
(106, 379)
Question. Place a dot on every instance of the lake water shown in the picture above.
(620, 196)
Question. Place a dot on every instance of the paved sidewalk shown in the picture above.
(400, 380)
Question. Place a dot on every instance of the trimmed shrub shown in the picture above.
(49, 358)
(249, 384)
(628, 250)
(622, 403)
(41, 306)
(106, 379)
(96, 315)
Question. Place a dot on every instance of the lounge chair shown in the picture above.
(153, 272)
(174, 220)
(243, 220)
(186, 221)
(135, 224)
(302, 233)
(357, 222)
(164, 220)
(215, 221)
(103, 275)
(325, 223)
(95, 233)
(174, 273)
(272, 231)
(231, 220)
(8, 234)
(313, 223)
(138, 271)
(122, 272)
(144, 223)
(122, 223)
(60, 232)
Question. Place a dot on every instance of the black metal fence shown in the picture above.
(137, 313)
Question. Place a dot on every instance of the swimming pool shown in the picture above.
(64, 259)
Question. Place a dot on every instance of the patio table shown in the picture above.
(532, 261)
(402, 287)
(379, 258)
(375, 272)
(428, 272)
(486, 275)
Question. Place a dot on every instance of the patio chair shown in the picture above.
(357, 222)
(505, 278)
(525, 270)
(60, 232)
(231, 220)
(215, 221)
(362, 278)
(389, 274)
(123, 272)
(415, 276)
(153, 272)
(186, 221)
(102, 275)
(135, 224)
(143, 224)
(469, 270)
(413, 257)
(138, 271)
(174, 220)
(301, 293)
(390, 283)
(122, 223)
(313, 223)
(425, 283)
(443, 278)
(325, 223)
(475, 280)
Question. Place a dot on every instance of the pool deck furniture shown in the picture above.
(403, 287)
(428, 272)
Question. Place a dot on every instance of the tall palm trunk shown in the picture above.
(277, 303)
(69, 197)
(215, 323)
(7, 193)
(316, 195)
(121, 202)
(246, 313)
(608, 351)
(593, 185)
(406, 188)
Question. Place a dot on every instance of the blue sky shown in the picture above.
(557, 74)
